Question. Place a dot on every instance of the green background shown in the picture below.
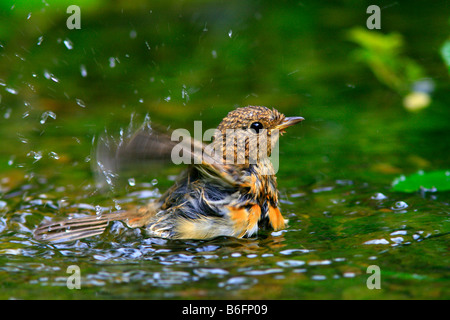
(181, 61)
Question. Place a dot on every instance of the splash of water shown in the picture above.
(45, 115)
(68, 44)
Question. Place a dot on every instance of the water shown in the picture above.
(61, 88)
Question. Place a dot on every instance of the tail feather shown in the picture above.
(77, 228)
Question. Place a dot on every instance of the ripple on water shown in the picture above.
(290, 263)
(289, 252)
(238, 283)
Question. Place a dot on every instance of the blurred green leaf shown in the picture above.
(434, 180)
(382, 53)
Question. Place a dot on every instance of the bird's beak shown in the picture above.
(289, 121)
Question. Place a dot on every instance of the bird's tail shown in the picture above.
(79, 228)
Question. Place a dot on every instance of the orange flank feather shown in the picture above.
(253, 217)
(276, 219)
(245, 220)
(239, 216)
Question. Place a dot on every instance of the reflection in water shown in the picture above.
(335, 246)
(59, 89)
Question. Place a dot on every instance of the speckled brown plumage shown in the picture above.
(213, 197)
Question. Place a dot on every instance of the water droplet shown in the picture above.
(133, 34)
(147, 122)
(107, 174)
(53, 155)
(112, 62)
(11, 90)
(148, 45)
(37, 155)
(184, 93)
(32, 88)
(68, 44)
(400, 205)
(154, 182)
(117, 205)
(167, 98)
(45, 115)
(19, 56)
(230, 33)
(80, 103)
(40, 39)
(22, 138)
(214, 54)
(131, 182)
(83, 71)
(378, 196)
(50, 76)
(7, 113)
(98, 210)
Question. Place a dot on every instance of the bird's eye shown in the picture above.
(257, 126)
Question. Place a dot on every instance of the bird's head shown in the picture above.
(248, 134)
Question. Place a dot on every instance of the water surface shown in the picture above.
(178, 62)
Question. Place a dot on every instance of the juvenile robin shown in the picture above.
(229, 189)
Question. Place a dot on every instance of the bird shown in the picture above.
(229, 187)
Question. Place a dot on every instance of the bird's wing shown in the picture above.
(147, 144)
(150, 144)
